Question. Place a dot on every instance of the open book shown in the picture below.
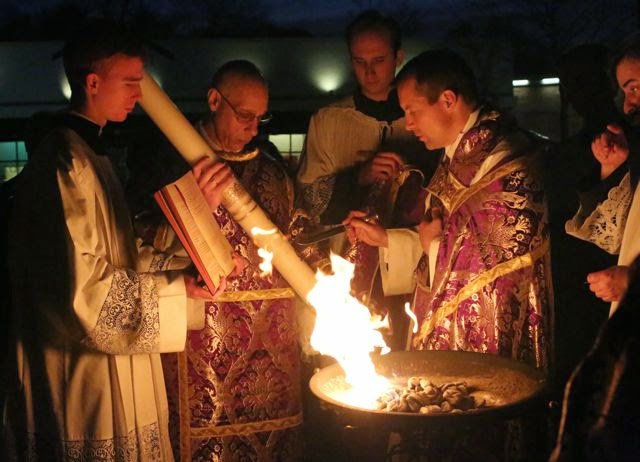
(188, 213)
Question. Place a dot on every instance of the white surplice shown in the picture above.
(614, 225)
(88, 381)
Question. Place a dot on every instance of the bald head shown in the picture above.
(235, 73)
(238, 99)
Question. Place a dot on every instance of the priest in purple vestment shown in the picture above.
(481, 253)
(234, 394)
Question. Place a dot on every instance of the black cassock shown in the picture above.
(601, 409)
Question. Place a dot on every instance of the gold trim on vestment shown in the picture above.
(184, 413)
(460, 196)
(240, 156)
(188, 433)
(251, 295)
(478, 283)
(248, 428)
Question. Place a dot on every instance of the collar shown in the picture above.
(88, 130)
(471, 121)
(82, 116)
(214, 144)
(388, 110)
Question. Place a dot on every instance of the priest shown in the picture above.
(235, 391)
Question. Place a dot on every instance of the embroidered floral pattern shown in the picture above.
(317, 195)
(129, 321)
(140, 444)
(242, 369)
(500, 224)
(473, 149)
(158, 262)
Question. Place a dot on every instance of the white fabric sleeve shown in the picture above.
(166, 253)
(605, 225)
(122, 310)
(315, 162)
(195, 314)
(338, 138)
(399, 261)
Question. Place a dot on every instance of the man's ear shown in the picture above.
(399, 58)
(92, 82)
(449, 99)
(213, 98)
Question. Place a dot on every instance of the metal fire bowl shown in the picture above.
(514, 387)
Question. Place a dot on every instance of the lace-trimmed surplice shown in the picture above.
(605, 225)
(614, 224)
(88, 381)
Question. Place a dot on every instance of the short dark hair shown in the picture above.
(628, 49)
(375, 21)
(438, 70)
(238, 68)
(93, 42)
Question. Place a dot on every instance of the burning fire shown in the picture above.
(414, 320)
(255, 231)
(345, 330)
(265, 266)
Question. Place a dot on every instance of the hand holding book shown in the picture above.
(212, 178)
(189, 213)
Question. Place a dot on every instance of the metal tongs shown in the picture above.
(328, 231)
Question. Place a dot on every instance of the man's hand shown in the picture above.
(369, 233)
(383, 166)
(611, 284)
(240, 264)
(611, 149)
(197, 289)
(213, 178)
(430, 227)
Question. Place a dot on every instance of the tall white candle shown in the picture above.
(244, 210)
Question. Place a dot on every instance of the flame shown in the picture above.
(256, 231)
(411, 314)
(345, 329)
(265, 266)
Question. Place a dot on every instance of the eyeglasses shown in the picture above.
(247, 117)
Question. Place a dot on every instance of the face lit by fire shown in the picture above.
(231, 104)
(113, 89)
(628, 77)
(432, 123)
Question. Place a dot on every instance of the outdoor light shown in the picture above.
(327, 81)
(327, 74)
(520, 83)
(550, 81)
(65, 87)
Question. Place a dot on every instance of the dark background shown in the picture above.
(538, 31)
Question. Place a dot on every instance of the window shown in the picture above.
(289, 145)
(13, 157)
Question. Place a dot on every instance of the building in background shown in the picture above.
(304, 74)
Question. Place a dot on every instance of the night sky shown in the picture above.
(328, 17)
(538, 31)
(322, 17)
